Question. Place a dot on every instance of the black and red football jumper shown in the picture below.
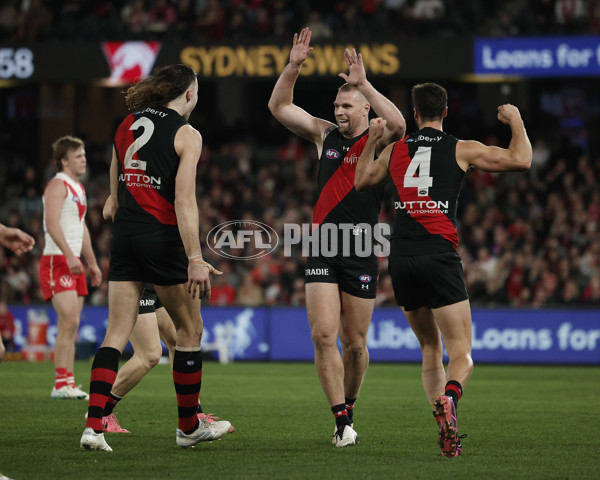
(144, 143)
(145, 243)
(424, 263)
(339, 203)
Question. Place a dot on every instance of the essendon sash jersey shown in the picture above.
(427, 181)
(147, 166)
(337, 199)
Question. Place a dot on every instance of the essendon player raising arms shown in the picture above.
(427, 169)
(62, 275)
(340, 290)
(155, 238)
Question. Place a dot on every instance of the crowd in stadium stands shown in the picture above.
(528, 240)
(277, 20)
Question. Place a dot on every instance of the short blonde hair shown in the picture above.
(62, 146)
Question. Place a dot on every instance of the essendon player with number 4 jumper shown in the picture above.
(155, 239)
(427, 170)
(340, 289)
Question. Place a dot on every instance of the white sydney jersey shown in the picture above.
(72, 218)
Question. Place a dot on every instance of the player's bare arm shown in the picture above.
(370, 172)
(281, 104)
(188, 145)
(109, 209)
(395, 127)
(54, 197)
(517, 157)
(16, 240)
(90, 258)
(112, 202)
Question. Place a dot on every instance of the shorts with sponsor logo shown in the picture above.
(149, 302)
(433, 280)
(55, 277)
(355, 275)
(155, 256)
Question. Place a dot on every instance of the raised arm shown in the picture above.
(515, 158)
(395, 127)
(188, 145)
(281, 102)
(370, 172)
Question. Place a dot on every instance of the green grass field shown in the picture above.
(522, 422)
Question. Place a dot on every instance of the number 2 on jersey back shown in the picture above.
(421, 161)
(135, 163)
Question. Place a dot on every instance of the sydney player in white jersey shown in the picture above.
(62, 274)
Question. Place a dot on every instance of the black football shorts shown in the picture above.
(149, 302)
(433, 280)
(354, 275)
(156, 257)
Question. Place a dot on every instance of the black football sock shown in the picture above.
(187, 376)
(350, 408)
(454, 391)
(111, 403)
(102, 378)
(341, 415)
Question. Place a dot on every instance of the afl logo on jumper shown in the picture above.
(365, 278)
(332, 154)
(66, 281)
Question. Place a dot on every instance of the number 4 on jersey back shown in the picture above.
(422, 181)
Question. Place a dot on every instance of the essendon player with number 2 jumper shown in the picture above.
(340, 290)
(155, 239)
(427, 169)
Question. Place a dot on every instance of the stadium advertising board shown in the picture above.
(282, 334)
(537, 56)
(122, 62)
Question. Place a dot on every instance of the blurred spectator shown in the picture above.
(571, 16)
(320, 31)
(249, 293)
(35, 22)
(222, 291)
(428, 10)
(161, 16)
(7, 326)
(135, 16)
(212, 21)
(9, 19)
(385, 292)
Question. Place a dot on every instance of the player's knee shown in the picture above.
(356, 349)
(153, 360)
(69, 324)
(150, 359)
(323, 339)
